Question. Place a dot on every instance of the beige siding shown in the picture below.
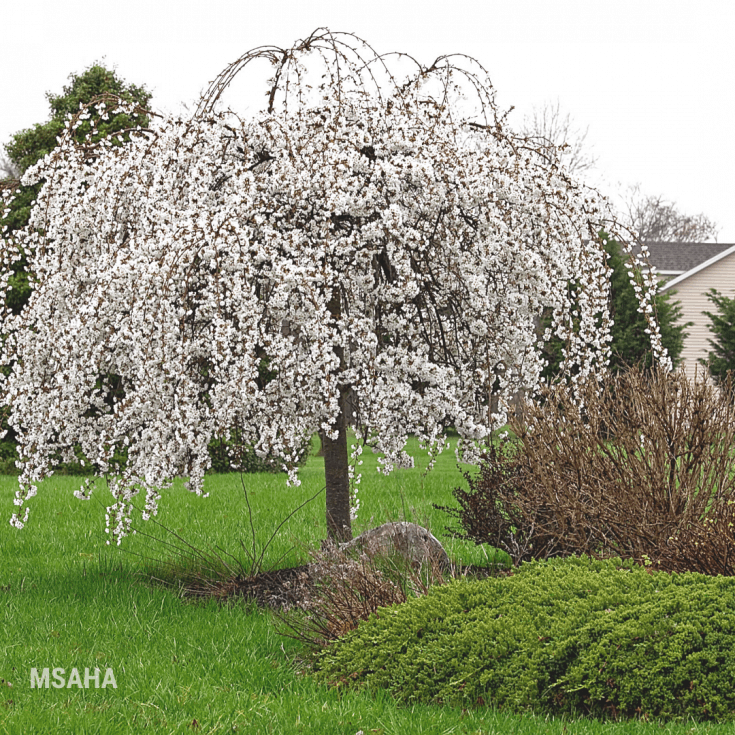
(692, 292)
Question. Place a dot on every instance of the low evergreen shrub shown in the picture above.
(565, 636)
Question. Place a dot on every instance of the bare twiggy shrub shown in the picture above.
(350, 587)
(641, 468)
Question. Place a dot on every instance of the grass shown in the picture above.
(67, 600)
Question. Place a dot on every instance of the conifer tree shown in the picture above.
(722, 325)
(631, 342)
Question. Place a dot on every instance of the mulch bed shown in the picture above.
(282, 589)
(278, 589)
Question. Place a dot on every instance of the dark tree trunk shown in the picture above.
(336, 471)
(336, 465)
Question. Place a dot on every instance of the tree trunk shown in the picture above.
(336, 471)
(336, 466)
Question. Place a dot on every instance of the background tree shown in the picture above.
(652, 218)
(655, 219)
(630, 344)
(29, 146)
(547, 127)
(722, 325)
(376, 238)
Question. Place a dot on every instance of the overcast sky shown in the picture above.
(653, 79)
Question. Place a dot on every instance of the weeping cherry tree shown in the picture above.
(371, 250)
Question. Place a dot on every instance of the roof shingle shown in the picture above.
(680, 257)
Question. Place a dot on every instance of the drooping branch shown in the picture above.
(374, 237)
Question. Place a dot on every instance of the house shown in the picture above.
(689, 270)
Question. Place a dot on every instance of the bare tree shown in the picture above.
(8, 170)
(655, 219)
(548, 126)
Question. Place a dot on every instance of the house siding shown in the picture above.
(692, 293)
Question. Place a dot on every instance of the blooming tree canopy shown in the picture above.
(367, 250)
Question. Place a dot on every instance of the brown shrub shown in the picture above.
(349, 587)
(642, 470)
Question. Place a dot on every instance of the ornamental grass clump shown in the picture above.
(350, 585)
(638, 465)
(572, 636)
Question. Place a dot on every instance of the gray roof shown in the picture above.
(673, 258)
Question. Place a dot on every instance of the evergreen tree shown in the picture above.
(631, 345)
(722, 325)
(31, 145)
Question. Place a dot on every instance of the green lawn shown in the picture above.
(70, 601)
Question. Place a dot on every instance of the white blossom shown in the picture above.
(393, 241)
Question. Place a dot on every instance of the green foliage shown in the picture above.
(29, 146)
(630, 343)
(573, 636)
(722, 325)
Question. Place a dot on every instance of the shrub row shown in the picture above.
(575, 636)
(218, 453)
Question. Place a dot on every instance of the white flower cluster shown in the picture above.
(646, 291)
(218, 273)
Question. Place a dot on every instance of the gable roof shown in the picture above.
(678, 258)
(728, 250)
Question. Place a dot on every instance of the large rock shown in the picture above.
(409, 540)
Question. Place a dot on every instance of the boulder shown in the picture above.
(409, 540)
